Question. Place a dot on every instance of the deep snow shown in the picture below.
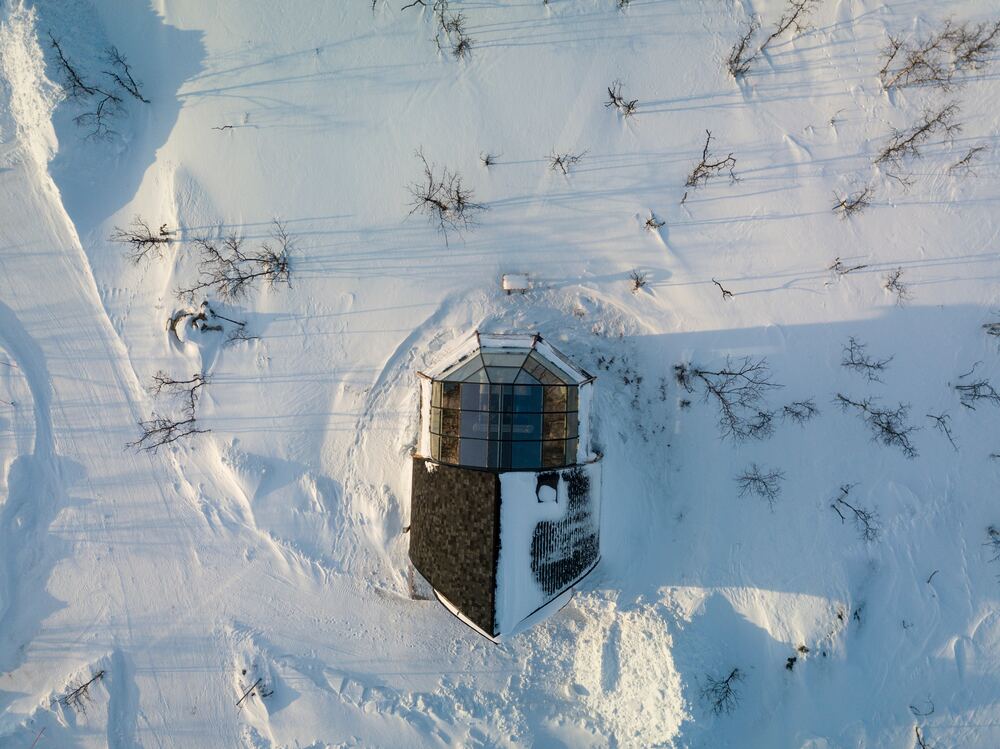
(274, 546)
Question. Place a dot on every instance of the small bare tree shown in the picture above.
(616, 100)
(711, 166)
(966, 165)
(445, 200)
(907, 143)
(893, 283)
(973, 392)
(942, 422)
(489, 159)
(159, 431)
(993, 543)
(121, 74)
(722, 695)
(726, 293)
(653, 223)
(141, 241)
(795, 19)
(855, 358)
(761, 483)
(77, 697)
(800, 412)
(563, 162)
(742, 55)
(853, 203)
(842, 269)
(888, 425)
(866, 521)
(231, 270)
(738, 390)
(937, 59)
(638, 278)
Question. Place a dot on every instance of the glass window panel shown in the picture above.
(554, 426)
(503, 374)
(473, 453)
(553, 453)
(571, 447)
(523, 377)
(527, 398)
(505, 447)
(450, 422)
(555, 398)
(450, 394)
(463, 372)
(436, 420)
(435, 393)
(504, 360)
(435, 447)
(449, 449)
(527, 426)
(572, 425)
(481, 376)
(476, 424)
(475, 397)
(493, 454)
(495, 398)
(525, 455)
(572, 399)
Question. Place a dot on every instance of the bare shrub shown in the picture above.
(800, 412)
(893, 283)
(842, 269)
(617, 100)
(921, 741)
(907, 143)
(726, 293)
(974, 392)
(639, 279)
(445, 200)
(159, 431)
(78, 696)
(937, 59)
(742, 55)
(942, 422)
(653, 223)
(142, 242)
(738, 390)
(121, 74)
(231, 270)
(854, 203)
(563, 162)
(866, 521)
(761, 483)
(489, 159)
(966, 165)
(722, 695)
(710, 166)
(888, 425)
(993, 543)
(855, 358)
(793, 19)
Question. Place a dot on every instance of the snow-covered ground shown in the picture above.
(273, 547)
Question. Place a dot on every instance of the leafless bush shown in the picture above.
(142, 242)
(453, 30)
(893, 283)
(229, 269)
(855, 358)
(800, 411)
(993, 543)
(722, 695)
(854, 203)
(102, 101)
(966, 164)
(445, 200)
(942, 422)
(638, 278)
(907, 143)
(888, 425)
(78, 697)
(206, 319)
(794, 19)
(841, 269)
(563, 162)
(741, 56)
(617, 101)
(937, 59)
(726, 293)
(653, 223)
(865, 521)
(992, 328)
(489, 159)
(159, 431)
(981, 390)
(711, 166)
(763, 484)
(738, 390)
(921, 741)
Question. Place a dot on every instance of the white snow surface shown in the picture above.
(273, 547)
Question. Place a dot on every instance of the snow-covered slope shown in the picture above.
(273, 547)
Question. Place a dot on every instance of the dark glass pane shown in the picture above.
(554, 426)
(473, 453)
(504, 454)
(527, 427)
(525, 455)
(527, 398)
(502, 374)
(466, 370)
(506, 421)
(449, 422)
(571, 446)
(450, 394)
(524, 378)
(476, 424)
(555, 398)
(475, 397)
(553, 453)
(449, 449)
(572, 425)
(493, 456)
(572, 401)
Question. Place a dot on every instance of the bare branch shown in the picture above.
(865, 521)
(726, 293)
(77, 697)
(121, 74)
(231, 271)
(738, 390)
(907, 143)
(888, 425)
(563, 162)
(855, 358)
(964, 166)
(766, 485)
(638, 279)
(617, 101)
(740, 57)
(893, 284)
(653, 223)
(942, 424)
(840, 269)
(794, 19)
(710, 166)
(444, 199)
(142, 242)
(980, 390)
(722, 694)
(800, 411)
(853, 203)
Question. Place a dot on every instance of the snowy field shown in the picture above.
(249, 586)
